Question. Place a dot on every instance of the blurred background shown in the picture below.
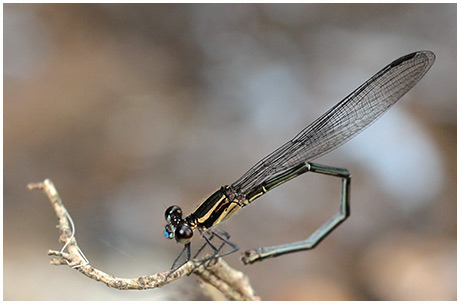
(131, 108)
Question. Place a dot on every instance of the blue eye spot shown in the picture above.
(167, 234)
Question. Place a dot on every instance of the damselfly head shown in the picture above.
(181, 232)
(177, 228)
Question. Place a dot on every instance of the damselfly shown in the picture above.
(346, 119)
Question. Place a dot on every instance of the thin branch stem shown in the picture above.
(233, 284)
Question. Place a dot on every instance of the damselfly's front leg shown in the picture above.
(260, 254)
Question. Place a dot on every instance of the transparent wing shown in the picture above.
(346, 119)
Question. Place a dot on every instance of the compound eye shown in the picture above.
(184, 234)
(173, 212)
(168, 232)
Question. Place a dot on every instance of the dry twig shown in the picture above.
(233, 284)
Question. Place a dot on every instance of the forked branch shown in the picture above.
(233, 284)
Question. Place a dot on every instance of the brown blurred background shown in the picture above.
(132, 108)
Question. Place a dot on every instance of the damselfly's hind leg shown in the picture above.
(208, 236)
(260, 254)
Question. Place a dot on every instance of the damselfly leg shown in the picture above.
(223, 237)
(215, 239)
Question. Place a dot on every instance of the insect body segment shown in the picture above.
(177, 228)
